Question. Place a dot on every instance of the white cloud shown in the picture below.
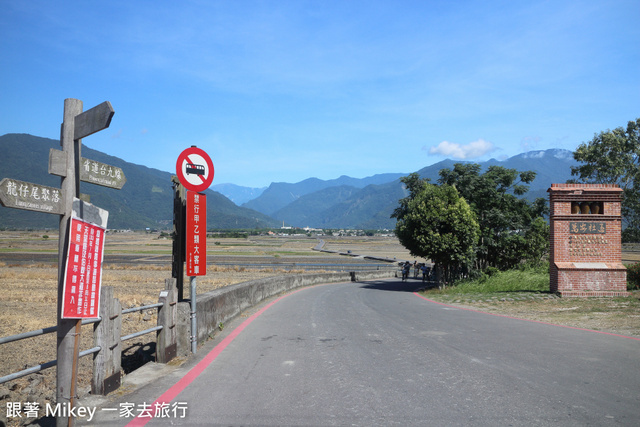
(530, 143)
(463, 152)
(534, 155)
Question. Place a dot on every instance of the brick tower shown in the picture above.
(586, 247)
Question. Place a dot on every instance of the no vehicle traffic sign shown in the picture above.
(194, 169)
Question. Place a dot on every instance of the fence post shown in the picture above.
(183, 329)
(166, 346)
(107, 362)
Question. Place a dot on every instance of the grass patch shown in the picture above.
(528, 280)
(511, 285)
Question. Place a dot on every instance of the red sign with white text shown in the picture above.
(83, 272)
(196, 256)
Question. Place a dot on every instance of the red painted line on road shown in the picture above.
(178, 387)
(526, 320)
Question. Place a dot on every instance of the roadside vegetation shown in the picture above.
(533, 280)
(524, 293)
(530, 280)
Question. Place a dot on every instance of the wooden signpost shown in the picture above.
(64, 201)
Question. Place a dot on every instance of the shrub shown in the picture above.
(633, 276)
(491, 271)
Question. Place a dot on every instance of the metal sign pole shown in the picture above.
(194, 323)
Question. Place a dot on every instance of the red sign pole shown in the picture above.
(196, 234)
(196, 252)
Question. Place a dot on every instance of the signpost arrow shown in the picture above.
(101, 174)
(31, 197)
(93, 120)
(91, 171)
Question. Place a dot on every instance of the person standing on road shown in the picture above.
(425, 272)
(405, 270)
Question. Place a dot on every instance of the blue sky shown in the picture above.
(280, 91)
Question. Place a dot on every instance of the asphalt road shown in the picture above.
(375, 353)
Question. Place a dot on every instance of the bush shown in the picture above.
(491, 271)
(633, 276)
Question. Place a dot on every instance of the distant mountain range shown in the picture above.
(146, 200)
(345, 202)
(281, 194)
(367, 203)
(238, 194)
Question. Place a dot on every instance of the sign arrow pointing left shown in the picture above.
(31, 197)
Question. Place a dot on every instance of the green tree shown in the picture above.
(510, 232)
(613, 157)
(434, 222)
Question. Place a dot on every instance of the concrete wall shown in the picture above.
(221, 305)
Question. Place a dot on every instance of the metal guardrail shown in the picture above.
(44, 331)
(141, 308)
(146, 331)
(43, 366)
(137, 334)
(28, 371)
(52, 329)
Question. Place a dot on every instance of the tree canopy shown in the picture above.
(613, 157)
(434, 222)
(473, 220)
(509, 232)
